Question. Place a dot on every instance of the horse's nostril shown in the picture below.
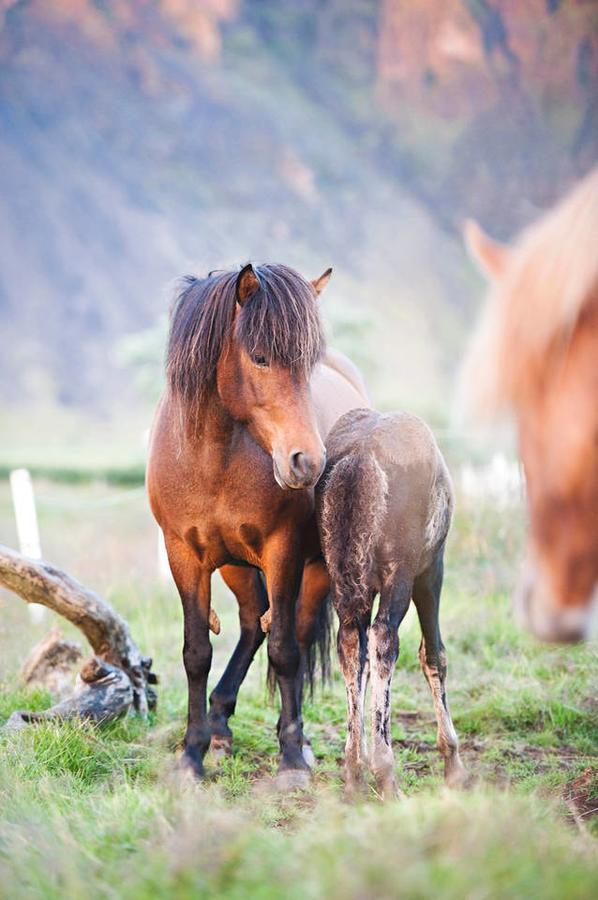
(299, 464)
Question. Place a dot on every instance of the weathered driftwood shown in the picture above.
(118, 678)
(51, 663)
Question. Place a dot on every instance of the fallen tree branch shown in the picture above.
(118, 678)
(51, 663)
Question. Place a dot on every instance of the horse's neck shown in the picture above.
(208, 440)
(215, 426)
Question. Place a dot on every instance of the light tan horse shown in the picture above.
(535, 353)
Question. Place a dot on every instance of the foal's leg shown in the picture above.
(193, 584)
(283, 568)
(249, 589)
(383, 653)
(353, 656)
(432, 656)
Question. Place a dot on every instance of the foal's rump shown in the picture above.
(351, 513)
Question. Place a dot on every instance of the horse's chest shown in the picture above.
(237, 526)
(221, 536)
(228, 509)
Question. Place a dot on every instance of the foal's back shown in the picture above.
(386, 492)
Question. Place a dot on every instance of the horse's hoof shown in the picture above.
(307, 753)
(189, 769)
(221, 747)
(289, 780)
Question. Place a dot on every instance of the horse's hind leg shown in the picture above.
(383, 647)
(193, 584)
(353, 656)
(249, 589)
(315, 587)
(432, 656)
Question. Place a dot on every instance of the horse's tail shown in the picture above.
(354, 499)
(318, 651)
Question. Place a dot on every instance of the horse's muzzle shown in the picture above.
(300, 470)
(536, 611)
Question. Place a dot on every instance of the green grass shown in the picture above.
(101, 812)
(70, 448)
(127, 476)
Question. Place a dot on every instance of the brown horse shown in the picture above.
(384, 510)
(236, 449)
(536, 352)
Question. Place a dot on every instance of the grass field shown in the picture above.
(87, 812)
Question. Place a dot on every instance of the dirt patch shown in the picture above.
(581, 795)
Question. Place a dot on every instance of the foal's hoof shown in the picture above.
(354, 789)
(388, 789)
(457, 778)
(354, 780)
(289, 780)
(221, 747)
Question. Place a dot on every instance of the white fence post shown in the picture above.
(501, 480)
(23, 500)
(163, 564)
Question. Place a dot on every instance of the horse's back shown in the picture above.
(334, 359)
(337, 387)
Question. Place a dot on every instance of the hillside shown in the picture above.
(141, 141)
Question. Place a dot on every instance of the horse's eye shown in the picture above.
(260, 361)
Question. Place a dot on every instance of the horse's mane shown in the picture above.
(280, 321)
(532, 311)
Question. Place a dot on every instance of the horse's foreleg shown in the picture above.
(432, 656)
(193, 584)
(283, 568)
(383, 646)
(248, 587)
(353, 656)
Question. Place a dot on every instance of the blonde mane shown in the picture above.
(550, 277)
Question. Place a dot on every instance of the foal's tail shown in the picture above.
(354, 500)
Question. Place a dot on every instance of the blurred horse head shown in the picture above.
(535, 353)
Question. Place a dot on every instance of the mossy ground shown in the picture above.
(101, 812)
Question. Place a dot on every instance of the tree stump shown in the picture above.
(117, 680)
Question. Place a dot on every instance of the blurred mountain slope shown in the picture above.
(142, 140)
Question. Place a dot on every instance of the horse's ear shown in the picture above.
(491, 256)
(318, 284)
(247, 284)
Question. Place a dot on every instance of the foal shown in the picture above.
(384, 509)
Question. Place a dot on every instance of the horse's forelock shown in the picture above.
(281, 319)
